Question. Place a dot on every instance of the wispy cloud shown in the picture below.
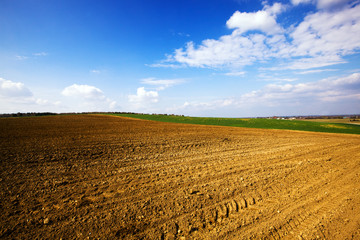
(181, 34)
(297, 2)
(325, 91)
(317, 71)
(165, 65)
(40, 54)
(276, 77)
(18, 57)
(328, 4)
(235, 74)
(162, 84)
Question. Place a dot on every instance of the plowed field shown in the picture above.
(93, 176)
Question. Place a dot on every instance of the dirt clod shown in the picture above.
(46, 221)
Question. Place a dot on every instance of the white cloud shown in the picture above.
(326, 93)
(13, 89)
(16, 97)
(232, 50)
(181, 34)
(264, 20)
(328, 33)
(316, 71)
(198, 107)
(326, 4)
(165, 65)
(143, 97)
(162, 83)
(314, 62)
(275, 78)
(297, 2)
(323, 90)
(41, 54)
(275, 9)
(322, 39)
(83, 91)
(92, 99)
(95, 71)
(18, 57)
(238, 49)
(235, 74)
(41, 101)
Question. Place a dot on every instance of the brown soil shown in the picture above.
(93, 176)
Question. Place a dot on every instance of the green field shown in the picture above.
(254, 123)
(336, 120)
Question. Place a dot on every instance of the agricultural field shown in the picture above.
(344, 120)
(331, 126)
(110, 177)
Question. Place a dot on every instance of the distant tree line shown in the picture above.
(29, 114)
(351, 117)
(33, 114)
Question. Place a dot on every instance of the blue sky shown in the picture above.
(230, 58)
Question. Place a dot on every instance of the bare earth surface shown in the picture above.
(93, 176)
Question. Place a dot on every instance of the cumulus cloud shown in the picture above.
(322, 39)
(264, 20)
(232, 50)
(83, 91)
(238, 49)
(92, 98)
(142, 96)
(13, 89)
(328, 34)
(16, 97)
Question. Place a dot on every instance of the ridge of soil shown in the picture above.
(102, 177)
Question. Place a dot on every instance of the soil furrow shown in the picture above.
(92, 176)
